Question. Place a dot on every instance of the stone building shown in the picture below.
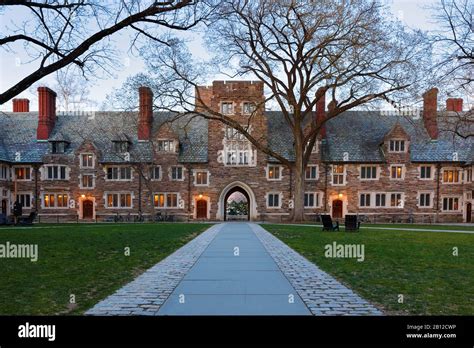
(93, 166)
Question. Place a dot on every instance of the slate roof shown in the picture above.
(360, 133)
(18, 134)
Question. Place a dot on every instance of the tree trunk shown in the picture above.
(299, 177)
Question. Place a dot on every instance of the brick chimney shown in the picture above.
(430, 112)
(454, 104)
(46, 113)
(321, 109)
(145, 114)
(21, 105)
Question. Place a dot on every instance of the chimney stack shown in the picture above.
(321, 110)
(21, 105)
(145, 115)
(454, 104)
(46, 113)
(430, 112)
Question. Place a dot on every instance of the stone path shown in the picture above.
(234, 276)
(323, 294)
(209, 276)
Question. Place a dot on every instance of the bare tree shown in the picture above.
(453, 42)
(57, 33)
(350, 50)
(453, 47)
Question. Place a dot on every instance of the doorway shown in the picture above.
(337, 209)
(4, 206)
(469, 212)
(87, 209)
(201, 209)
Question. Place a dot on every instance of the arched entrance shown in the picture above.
(201, 209)
(236, 204)
(242, 189)
(87, 209)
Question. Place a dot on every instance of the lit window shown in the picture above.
(23, 173)
(201, 178)
(338, 174)
(450, 176)
(87, 181)
(119, 200)
(165, 200)
(274, 173)
(87, 160)
(396, 172)
(55, 200)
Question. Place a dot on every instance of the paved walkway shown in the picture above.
(234, 269)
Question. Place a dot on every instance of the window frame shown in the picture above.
(196, 173)
(400, 141)
(402, 173)
(454, 170)
(28, 169)
(343, 174)
(118, 168)
(310, 166)
(459, 203)
(377, 175)
(276, 169)
(119, 199)
(171, 168)
(165, 200)
(55, 199)
(267, 200)
(81, 160)
(432, 172)
(418, 199)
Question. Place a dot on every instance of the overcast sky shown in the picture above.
(13, 67)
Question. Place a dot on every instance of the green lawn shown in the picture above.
(418, 265)
(85, 260)
(409, 226)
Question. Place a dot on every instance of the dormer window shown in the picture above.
(58, 146)
(397, 145)
(121, 146)
(166, 146)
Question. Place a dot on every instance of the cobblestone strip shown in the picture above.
(146, 294)
(321, 293)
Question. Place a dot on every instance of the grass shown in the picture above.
(418, 265)
(85, 260)
(409, 226)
